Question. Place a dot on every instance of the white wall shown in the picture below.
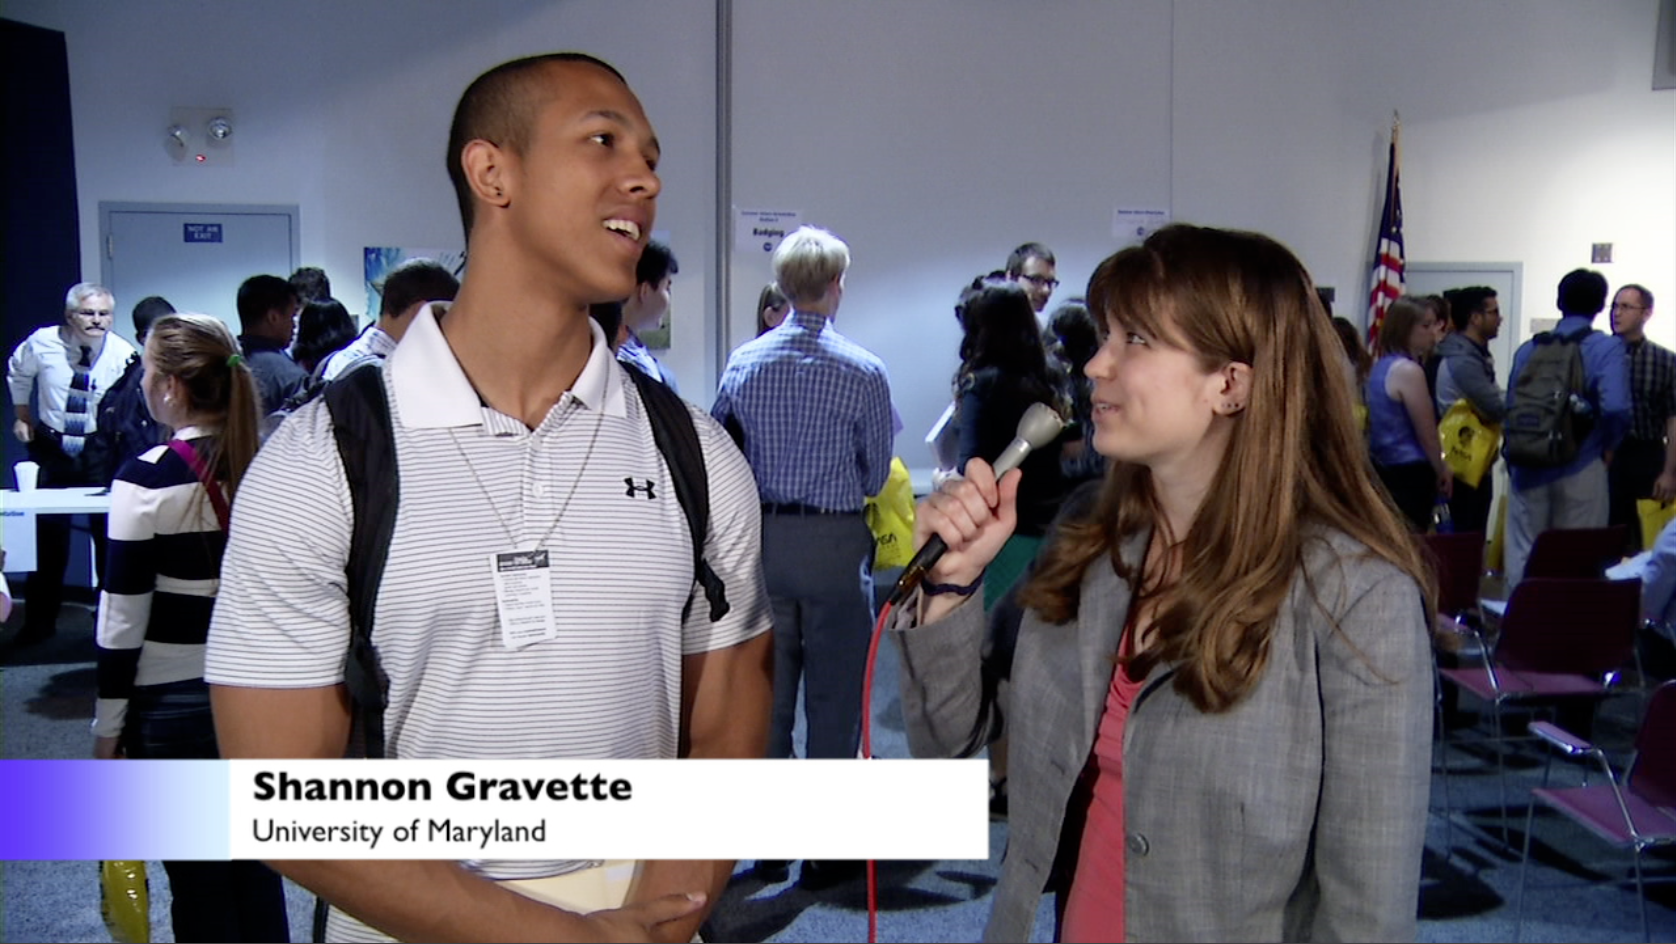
(1529, 131)
(937, 134)
(343, 109)
(934, 137)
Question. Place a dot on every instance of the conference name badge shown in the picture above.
(523, 597)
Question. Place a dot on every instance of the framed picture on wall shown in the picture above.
(378, 261)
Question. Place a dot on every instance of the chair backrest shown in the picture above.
(1654, 773)
(1576, 553)
(1458, 560)
(1573, 627)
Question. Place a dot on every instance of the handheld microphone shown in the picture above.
(1039, 426)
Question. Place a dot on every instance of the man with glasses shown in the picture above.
(1032, 267)
(66, 368)
(1644, 465)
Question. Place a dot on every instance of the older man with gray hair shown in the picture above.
(66, 367)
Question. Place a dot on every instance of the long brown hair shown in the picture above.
(1295, 465)
(201, 352)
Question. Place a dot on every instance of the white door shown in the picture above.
(194, 256)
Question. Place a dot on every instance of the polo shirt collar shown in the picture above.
(433, 392)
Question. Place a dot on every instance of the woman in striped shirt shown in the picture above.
(168, 528)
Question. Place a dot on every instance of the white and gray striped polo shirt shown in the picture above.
(588, 485)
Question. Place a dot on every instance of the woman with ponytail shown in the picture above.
(168, 528)
(1222, 688)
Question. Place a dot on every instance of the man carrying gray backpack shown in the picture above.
(1568, 406)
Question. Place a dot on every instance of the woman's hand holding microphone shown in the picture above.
(974, 515)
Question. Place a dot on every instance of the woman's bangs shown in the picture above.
(1130, 294)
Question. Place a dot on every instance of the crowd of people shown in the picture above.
(1198, 617)
(1586, 416)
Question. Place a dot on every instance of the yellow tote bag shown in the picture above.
(890, 516)
(1469, 446)
(1654, 516)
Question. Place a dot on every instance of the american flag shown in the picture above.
(1388, 251)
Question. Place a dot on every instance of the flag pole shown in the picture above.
(1388, 248)
(1396, 136)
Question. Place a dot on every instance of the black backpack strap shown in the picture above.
(677, 440)
(366, 442)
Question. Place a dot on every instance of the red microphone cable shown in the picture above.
(867, 753)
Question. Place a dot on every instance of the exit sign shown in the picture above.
(203, 232)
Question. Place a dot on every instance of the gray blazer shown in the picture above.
(1297, 815)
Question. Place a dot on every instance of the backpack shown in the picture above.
(126, 428)
(1548, 413)
(366, 443)
(308, 392)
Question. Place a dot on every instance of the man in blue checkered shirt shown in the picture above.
(812, 411)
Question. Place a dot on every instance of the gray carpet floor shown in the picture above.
(1467, 894)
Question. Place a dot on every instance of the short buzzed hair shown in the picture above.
(414, 281)
(807, 261)
(1023, 254)
(500, 106)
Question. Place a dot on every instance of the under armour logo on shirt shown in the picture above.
(633, 488)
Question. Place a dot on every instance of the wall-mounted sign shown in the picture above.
(203, 232)
(1134, 225)
(761, 230)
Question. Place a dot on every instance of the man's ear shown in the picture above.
(486, 168)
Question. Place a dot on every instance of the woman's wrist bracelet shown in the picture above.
(941, 589)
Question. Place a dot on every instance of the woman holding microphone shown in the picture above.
(1222, 688)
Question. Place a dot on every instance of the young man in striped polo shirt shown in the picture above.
(515, 430)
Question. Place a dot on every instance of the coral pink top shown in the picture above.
(1094, 910)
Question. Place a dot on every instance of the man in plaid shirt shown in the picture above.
(812, 411)
(1644, 465)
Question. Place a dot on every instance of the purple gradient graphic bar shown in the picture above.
(114, 809)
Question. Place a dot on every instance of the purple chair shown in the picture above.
(1637, 812)
(1561, 641)
(1458, 560)
(1576, 553)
